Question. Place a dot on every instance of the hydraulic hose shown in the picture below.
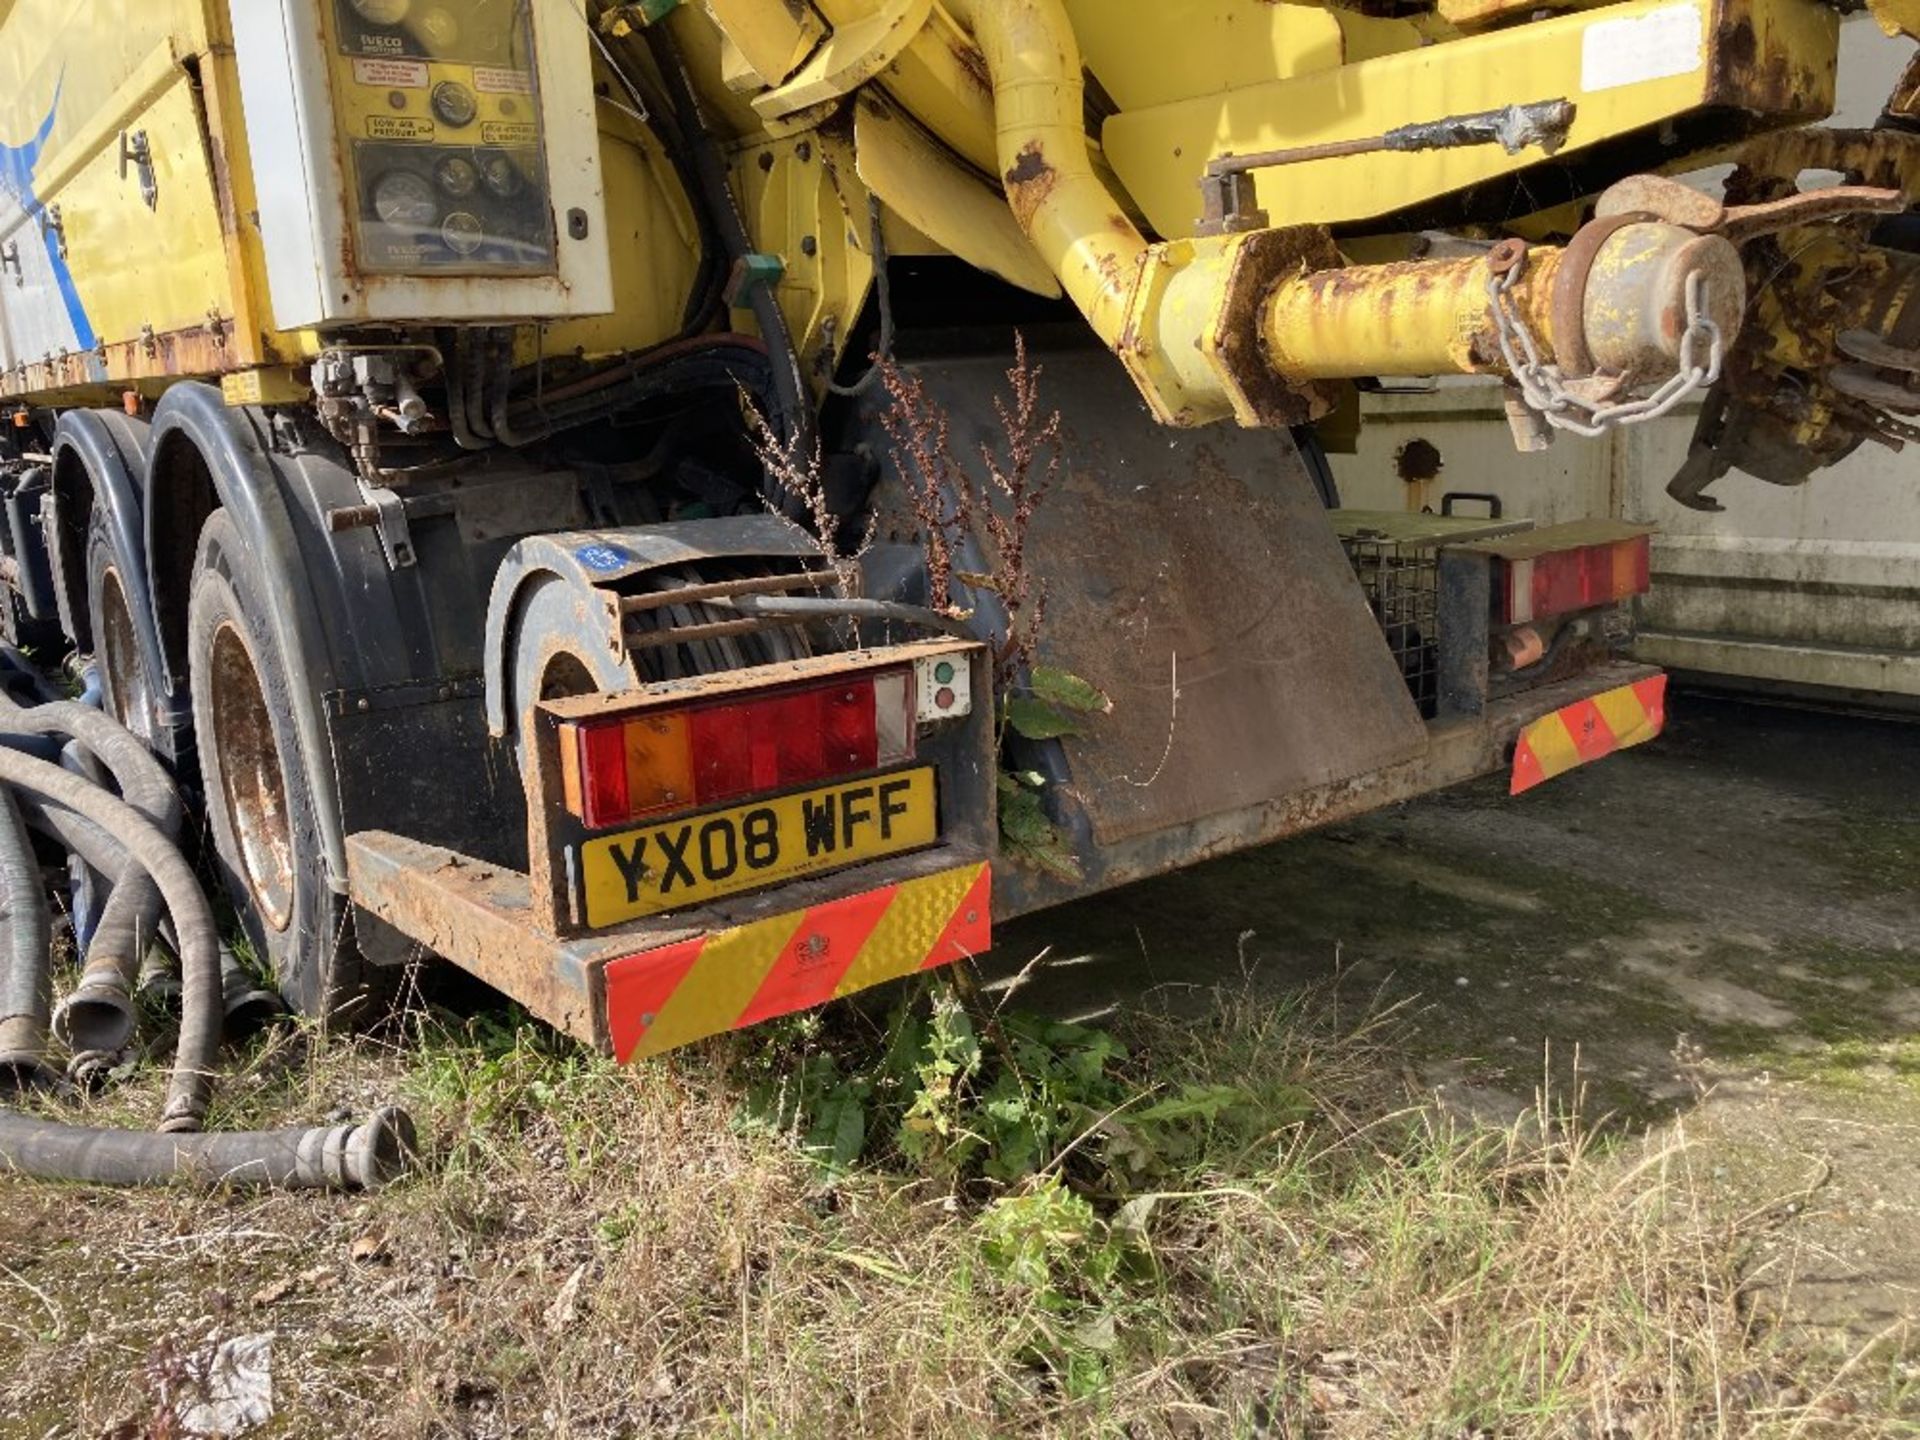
(792, 406)
(343, 1157)
(191, 1087)
(26, 984)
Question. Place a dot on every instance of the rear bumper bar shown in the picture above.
(1458, 749)
(647, 987)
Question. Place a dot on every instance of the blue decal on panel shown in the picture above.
(16, 178)
(604, 558)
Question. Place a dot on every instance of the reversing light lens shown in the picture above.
(1563, 581)
(382, 12)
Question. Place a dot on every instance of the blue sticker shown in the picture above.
(603, 558)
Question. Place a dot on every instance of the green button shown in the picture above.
(943, 672)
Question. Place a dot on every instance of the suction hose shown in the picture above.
(26, 987)
(353, 1157)
(191, 1087)
(97, 1019)
(340, 1157)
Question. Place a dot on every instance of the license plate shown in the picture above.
(690, 861)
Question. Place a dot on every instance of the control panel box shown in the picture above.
(424, 160)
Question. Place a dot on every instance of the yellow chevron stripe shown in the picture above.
(1552, 745)
(721, 983)
(1626, 715)
(900, 942)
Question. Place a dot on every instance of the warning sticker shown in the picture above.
(391, 74)
(1655, 46)
(399, 127)
(492, 80)
(509, 132)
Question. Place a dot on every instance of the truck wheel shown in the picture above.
(127, 692)
(259, 796)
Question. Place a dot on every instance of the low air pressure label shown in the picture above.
(399, 127)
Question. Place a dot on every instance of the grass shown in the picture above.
(934, 1222)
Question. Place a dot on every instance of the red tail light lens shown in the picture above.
(1562, 581)
(622, 768)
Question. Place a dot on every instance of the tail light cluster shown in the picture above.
(627, 767)
(1558, 582)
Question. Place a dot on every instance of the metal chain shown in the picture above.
(1545, 390)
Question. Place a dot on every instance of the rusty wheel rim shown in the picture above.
(127, 694)
(251, 784)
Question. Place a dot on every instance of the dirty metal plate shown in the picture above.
(1418, 528)
(695, 859)
(1196, 578)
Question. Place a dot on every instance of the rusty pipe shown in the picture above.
(1407, 317)
(1073, 219)
(1613, 305)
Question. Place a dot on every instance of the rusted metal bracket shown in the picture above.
(1659, 198)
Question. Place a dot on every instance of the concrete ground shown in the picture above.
(1719, 930)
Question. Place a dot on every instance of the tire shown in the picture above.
(128, 692)
(259, 795)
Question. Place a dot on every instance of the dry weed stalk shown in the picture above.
(803, 477)
(936, 486)
(948, 504)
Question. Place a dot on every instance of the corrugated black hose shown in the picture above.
(341, 1156)
(26, 986)
(96, 1021)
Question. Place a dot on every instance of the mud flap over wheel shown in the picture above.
(260, 798)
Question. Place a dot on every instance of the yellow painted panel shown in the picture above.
(1619, 83)
(86, 53)
(136, 267)
(1177, 49)
(654, 241)
(943, 200)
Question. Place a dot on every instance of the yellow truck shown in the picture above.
(687, 510)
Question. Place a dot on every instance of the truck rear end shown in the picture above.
(691, 511)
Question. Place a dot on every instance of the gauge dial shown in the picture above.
(463, 233)
(455, 103)
(502, 176)
(439, 29)
(382, 12)
(401, 197)
(456, 176)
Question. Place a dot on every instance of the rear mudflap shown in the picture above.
(1195, 578)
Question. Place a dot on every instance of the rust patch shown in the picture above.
(1029, 182)
(973, 64)
(196, 351)
(1030, 167)
(1417, 460)
(1767, 81)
